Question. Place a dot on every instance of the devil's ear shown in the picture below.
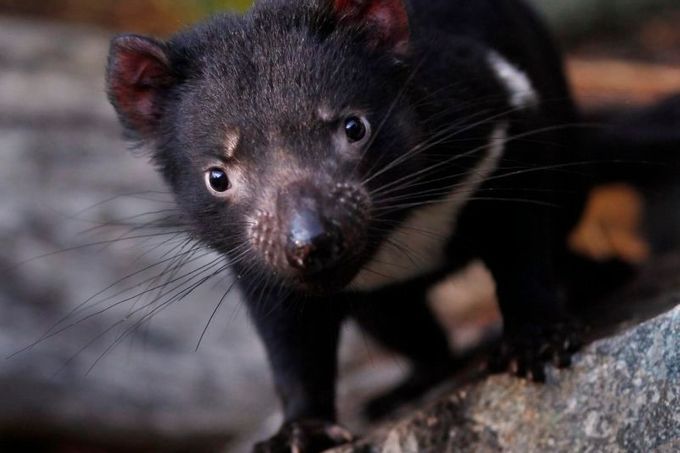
(138, 75)
(385, 21)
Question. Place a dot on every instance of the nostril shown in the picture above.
(312, 245)
(306, 227)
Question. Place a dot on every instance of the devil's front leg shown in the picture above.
(301, 338)
(522, 246)
(400, 319)
(537, 328)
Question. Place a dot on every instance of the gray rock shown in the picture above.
(621, 395)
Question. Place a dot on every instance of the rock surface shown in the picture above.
(622, 394)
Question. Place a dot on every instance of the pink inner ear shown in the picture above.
(139, 70)
(386, 20)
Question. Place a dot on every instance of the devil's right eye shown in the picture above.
(217, 180)
(355, 129)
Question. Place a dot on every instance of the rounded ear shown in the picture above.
(385, 21)
(138, 75)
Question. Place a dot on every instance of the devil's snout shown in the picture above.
(313, 243)
(313, 229)
(313, 233)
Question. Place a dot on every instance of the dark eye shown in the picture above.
(355, 129)
(217, 180)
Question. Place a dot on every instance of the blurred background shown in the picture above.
(97, 354)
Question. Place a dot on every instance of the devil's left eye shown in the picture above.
(217, 180)
(356, 129)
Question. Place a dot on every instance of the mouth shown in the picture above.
(328, 281)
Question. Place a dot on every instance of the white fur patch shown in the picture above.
(231, 141)
(516, 82)
(416, 247)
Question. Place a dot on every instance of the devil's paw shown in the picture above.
(526, 349)
(309, 436)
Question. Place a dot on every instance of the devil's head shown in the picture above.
(276, 130)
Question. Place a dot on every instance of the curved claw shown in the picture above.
(525, 351)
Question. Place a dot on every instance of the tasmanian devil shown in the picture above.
(345, 155)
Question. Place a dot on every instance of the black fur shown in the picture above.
(270, 75)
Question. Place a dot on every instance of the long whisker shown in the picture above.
(421, 173)
(178, 297)
(448, 133)
(117, 197)
(84, 318)
(431, 202)
(214, 313)
(390, 110)
(93, 244)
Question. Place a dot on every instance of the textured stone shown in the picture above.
(622, 394)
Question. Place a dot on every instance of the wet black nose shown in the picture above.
(313, 243)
